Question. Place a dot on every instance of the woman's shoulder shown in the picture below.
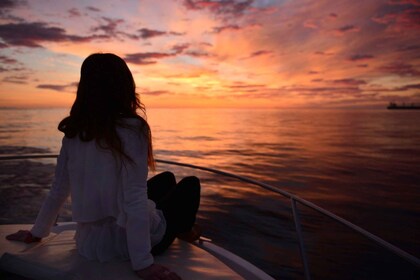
(131, 122)
(132, 126)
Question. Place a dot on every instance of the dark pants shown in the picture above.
(179, 203)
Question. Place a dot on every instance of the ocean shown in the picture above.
(363, 165)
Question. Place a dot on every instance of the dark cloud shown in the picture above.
(59, 88)
(222, 8)
(197, 53)
(20, 80)
(242, 86)
(74, 12)
(154, 92)
(146, 33)
(345, 88)
(110, 27)
(360, 57)
(408, 87)
(400, 68)
(349, 82)
(326, 91)
(146, 58)
(33, 34)
(404, 2)
(219, 29)
(333, 15)
(409, 48)
(7, 60)
(403, 20)
(12, 65)
(313, 72)
(7, 5)
(254, 90)
(176, 33)
(93, 9)
(329, 90)
(179, 48)
(259, 53)
(347, 29)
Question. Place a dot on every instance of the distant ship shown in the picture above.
(404, 106)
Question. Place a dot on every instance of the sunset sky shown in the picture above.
(218, 53)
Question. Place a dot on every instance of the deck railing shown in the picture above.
(293, 204)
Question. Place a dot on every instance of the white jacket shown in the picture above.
(103, 190)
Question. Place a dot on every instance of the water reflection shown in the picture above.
(362, 165)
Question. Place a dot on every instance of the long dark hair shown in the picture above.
(106, 94)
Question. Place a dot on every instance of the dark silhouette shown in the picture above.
(404, 106)
(103, 163)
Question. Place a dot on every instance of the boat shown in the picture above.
(56, 257)
(404, 106)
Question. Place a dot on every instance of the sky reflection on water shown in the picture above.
(360, 164)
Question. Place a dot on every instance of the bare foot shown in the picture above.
(23, 236)
(192, 235)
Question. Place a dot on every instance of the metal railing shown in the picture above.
(293, 201)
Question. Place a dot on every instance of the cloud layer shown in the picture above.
(220, 53)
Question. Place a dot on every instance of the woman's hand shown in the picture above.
(23, 236)
(157, 272)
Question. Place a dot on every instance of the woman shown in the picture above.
(103, 164)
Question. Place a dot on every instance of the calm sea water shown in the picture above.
(360, 164)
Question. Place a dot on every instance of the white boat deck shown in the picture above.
(56, 257)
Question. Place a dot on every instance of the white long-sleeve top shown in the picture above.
(109, 200)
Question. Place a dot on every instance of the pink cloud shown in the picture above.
(146, 58)
(360, 57)
(346, 29)
(224, 8)
(7, 60)
(74, 12)
(310, 24)
(219, 29)
(59, 88)
(259, 53)
(400, 68)
(93, 9)
(153, 92)
(404, 20)
(31, 35)
(349, 82)
(404, 2)
(179, 48)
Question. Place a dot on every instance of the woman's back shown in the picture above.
(96, 176)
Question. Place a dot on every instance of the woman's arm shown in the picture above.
(135, 199)
(136, 208)
(47, 215)
(60, 190)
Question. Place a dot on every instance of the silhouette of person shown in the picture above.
(103, 163)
